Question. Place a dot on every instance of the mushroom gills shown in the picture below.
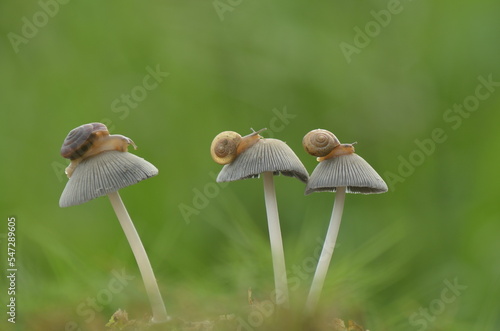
(349, 170)
(267, 155)
(104, 173)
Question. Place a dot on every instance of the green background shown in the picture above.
(237, 70)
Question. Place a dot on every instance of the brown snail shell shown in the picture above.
(320, 142)
(80, 140)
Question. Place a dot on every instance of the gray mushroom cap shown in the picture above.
(104, 173)
(266, 155)
(349, 170)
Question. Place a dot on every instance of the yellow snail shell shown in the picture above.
(224, 147)
(227, 145)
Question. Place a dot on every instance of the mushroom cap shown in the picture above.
(267, 154)
(104, 173)
(349, 170)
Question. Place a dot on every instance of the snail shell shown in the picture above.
(80, 140)
(225, 146)
(320, 142)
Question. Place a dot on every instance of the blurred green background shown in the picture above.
(255, 64)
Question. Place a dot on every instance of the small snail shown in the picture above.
(325, 145)
(88, 140)
(227, 145)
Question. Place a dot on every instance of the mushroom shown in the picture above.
(100, 165)
(339, 170)
(248, 157)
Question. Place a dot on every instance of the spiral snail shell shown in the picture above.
(79, 140)
(227, 145)
(88, 140)
(320, 142)
(325, 145)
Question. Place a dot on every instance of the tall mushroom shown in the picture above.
(100, 165)
(339, 170)
(248, 157)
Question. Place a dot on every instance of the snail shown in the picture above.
(88, 140)
(227, 145)
(325, 145)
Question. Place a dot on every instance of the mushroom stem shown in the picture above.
(278, 255)
(157, 305)
(326, 253)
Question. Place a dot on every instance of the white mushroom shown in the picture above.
(339, 170)
(249, 157)
(100, 165)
